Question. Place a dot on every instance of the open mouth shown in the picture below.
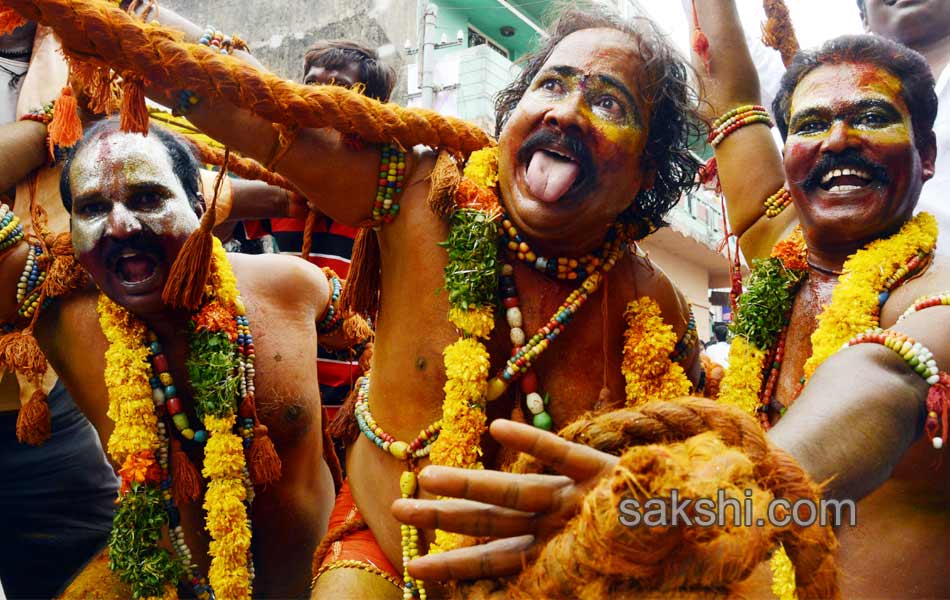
(553, 173)
(135, 267)
(845, 180)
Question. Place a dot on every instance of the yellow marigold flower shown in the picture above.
(474, 321)
(467, 360)
(740, 387)
(482, 167)
(647, 368)
(224, 455)
(783, 575)
(854, 301)
(222, 279)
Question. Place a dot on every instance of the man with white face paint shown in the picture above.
(133, 201)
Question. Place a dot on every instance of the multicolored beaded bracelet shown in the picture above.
(226, 44)
(43, 115)
(685, 343)
(777, 202)
(736, 119)
(417, 448)
(941, 299)
(334, 316)
(392, 168)
(187, 100)
(11, 230)
(921, 360)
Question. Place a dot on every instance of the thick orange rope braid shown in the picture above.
(244, 168)
(698, 447)
(778, 31)
(98, 31)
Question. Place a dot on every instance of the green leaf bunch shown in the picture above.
(471, 277)
(764, 307)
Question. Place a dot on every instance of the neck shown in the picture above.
(936, 52)
(167, 324)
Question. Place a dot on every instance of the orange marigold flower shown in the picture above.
(472, 195)
(139, 467)
(792, 251)
(215, 317)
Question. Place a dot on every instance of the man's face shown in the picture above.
(348, 76)
(130, 217)
(850, 157)
(571, 153)
(910, 22)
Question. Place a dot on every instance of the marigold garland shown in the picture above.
(136, 441)
(855, 304)
(856, 299)
(648, 345)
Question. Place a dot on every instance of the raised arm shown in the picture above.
(750, 165)
(342, 176)
(22, 150)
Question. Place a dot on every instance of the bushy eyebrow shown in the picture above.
(854, 107)
(140, 187)
(613, 82)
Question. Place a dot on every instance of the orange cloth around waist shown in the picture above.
(354, 546)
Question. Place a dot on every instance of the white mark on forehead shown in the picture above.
(131, 157)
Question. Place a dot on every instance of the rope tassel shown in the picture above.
(65, 129)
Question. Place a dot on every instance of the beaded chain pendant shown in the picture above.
(588, 270)
(166, 401)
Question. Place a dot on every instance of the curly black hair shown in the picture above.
(664, 85)
(917, 81)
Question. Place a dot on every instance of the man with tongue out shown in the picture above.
(593, 139)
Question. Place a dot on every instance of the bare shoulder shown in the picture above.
(289, 281)
(653, 282)
(935, 280)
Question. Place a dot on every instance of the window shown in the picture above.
(477, 38)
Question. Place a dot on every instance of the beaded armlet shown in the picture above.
(921, 360)
(333, 318)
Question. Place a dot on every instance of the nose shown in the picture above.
(568, 114)
(840, 137)
(122, 222)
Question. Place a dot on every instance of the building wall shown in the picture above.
(692, 279)
(280, 31)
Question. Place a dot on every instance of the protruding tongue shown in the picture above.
(136, 268)
(548, 177)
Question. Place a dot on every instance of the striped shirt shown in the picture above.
(331, 246)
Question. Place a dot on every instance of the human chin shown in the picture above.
(132, 275)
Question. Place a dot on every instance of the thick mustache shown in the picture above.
(849, 158)
(549, 138)
(142, 242)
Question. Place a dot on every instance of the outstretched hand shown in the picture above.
(522, 510)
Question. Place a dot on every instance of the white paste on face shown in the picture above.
(109, 168)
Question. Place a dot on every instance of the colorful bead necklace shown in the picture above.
(220, 365)
(562, 267)
(526, 352)
(409, 453)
